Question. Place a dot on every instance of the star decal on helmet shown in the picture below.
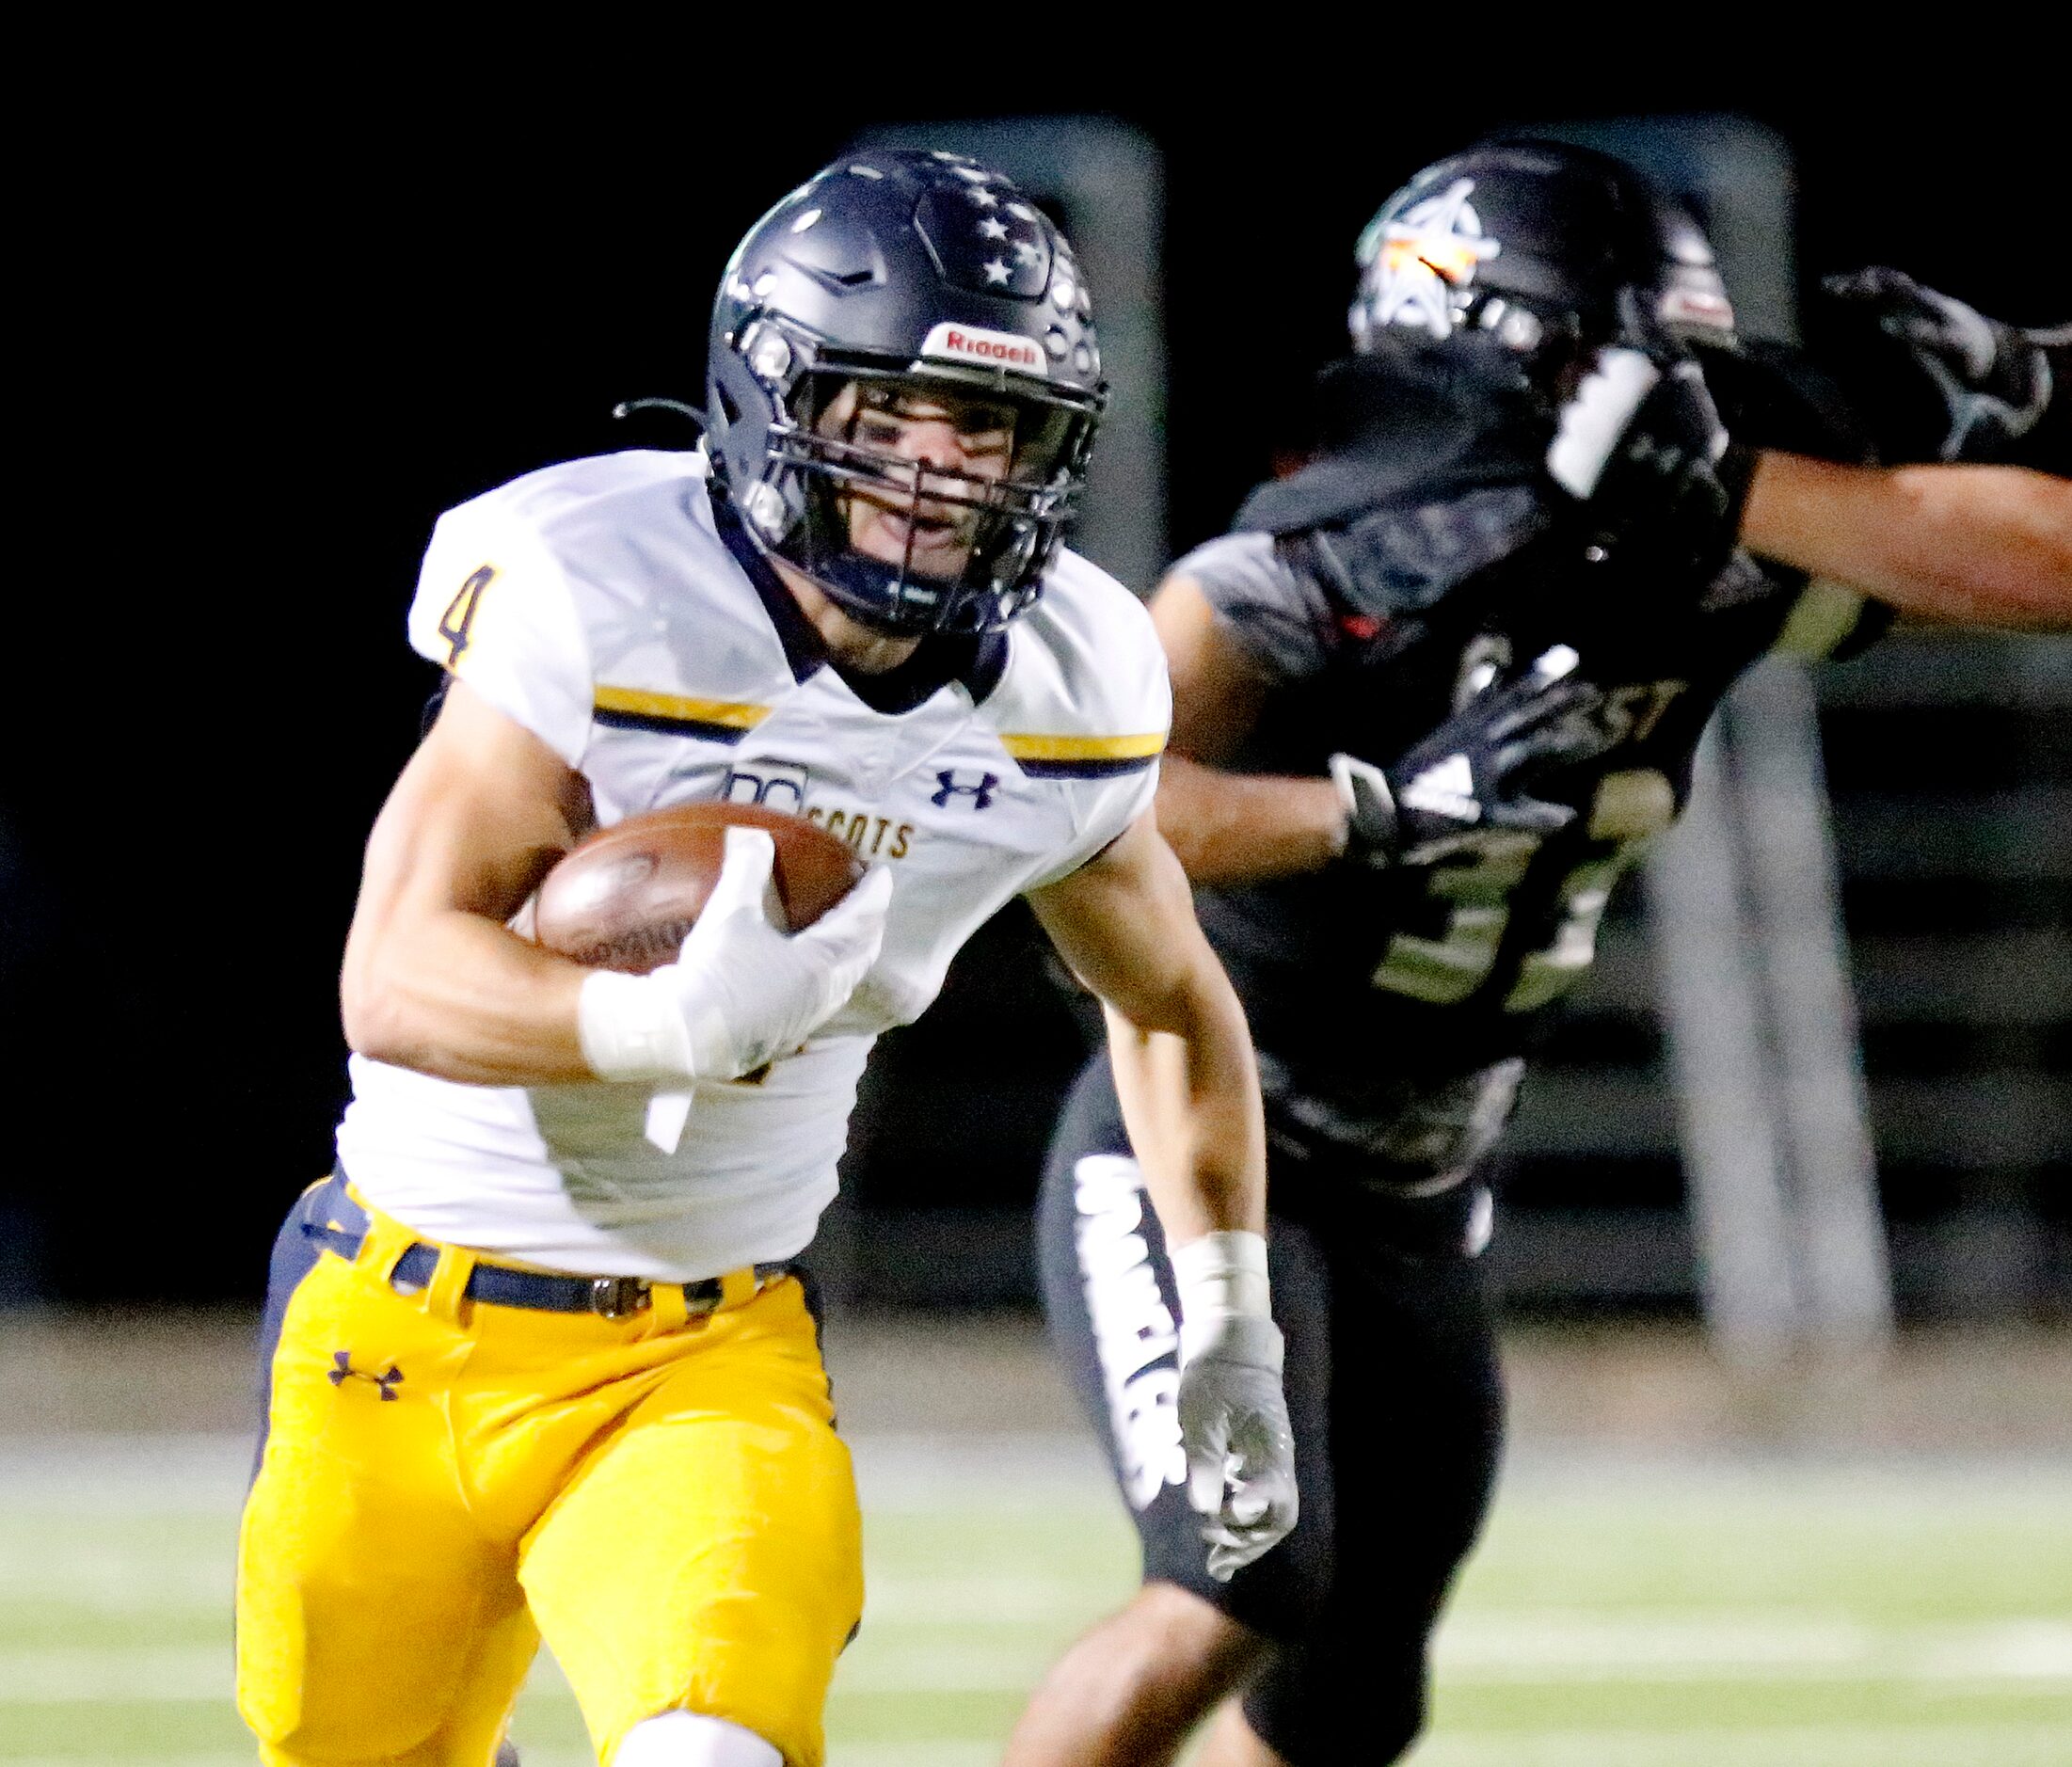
(1417, 261)
(1000, 248)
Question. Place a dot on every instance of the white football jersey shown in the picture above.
(610, 607)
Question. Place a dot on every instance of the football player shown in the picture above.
(1431, 696)
(540, 1361)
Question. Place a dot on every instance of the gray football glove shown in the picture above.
(1234, 1424)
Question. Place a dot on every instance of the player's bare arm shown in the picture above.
(434, 979)
(1125, 922)
(1226, 827)
(1235, 828)
(1988, 545)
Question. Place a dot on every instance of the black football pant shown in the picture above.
(1392, 1391)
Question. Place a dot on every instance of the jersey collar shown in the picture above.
(975, 660)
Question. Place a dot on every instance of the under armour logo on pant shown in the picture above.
(342, 1370)
(979, 794)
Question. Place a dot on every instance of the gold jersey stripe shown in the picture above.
(676, 709)
(1085, 748)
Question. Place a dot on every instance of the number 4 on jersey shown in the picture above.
(460, 612)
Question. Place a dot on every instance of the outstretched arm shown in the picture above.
(1987, 545)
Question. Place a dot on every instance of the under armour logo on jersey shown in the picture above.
(342, 1370)
(949, 788)
(1446, 789)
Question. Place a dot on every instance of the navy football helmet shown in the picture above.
(1536, 242)
(894, 279)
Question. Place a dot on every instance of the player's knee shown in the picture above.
(1192, 1640)
(689, 1738)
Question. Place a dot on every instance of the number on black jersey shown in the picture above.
(1479, 890)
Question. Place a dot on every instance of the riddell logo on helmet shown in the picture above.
(996, 349)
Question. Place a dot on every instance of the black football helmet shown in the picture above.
(1534, 242)
(916, 275)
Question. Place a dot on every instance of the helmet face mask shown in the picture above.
(904, 391)
(918, 538)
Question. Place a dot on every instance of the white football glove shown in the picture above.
(740, 993)
(1234, 1419)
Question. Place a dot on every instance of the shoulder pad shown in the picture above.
(1407, 427)
(1430, 472)
(1393, 562)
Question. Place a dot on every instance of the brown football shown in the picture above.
(624, 898)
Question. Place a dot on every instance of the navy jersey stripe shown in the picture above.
(660, 725)
(1107, 767)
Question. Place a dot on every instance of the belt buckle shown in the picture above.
(620, 1297)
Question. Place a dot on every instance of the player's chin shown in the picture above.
(927, 548)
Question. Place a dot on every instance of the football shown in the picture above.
(624, 898)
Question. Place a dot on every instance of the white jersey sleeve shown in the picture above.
(494, 609)
(1095, 720)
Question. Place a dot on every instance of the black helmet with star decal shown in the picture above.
(1534, 242)
(891, 278)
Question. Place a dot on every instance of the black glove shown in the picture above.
(1639, 446)
(1470, 782)
(1937, 379)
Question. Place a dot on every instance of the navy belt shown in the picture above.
(330, 1216)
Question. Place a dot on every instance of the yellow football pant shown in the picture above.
(445, 1482)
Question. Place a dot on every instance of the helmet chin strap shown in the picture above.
(875, 619)
(852, 607)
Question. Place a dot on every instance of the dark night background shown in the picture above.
(280, 335)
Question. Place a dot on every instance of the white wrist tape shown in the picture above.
(1223, 1273)
(633, 1027)
(1221, 1279)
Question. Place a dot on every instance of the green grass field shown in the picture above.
(1621, 1614)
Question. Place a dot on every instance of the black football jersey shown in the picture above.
(1367, 989)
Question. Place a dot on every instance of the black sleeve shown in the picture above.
(1773, 395)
